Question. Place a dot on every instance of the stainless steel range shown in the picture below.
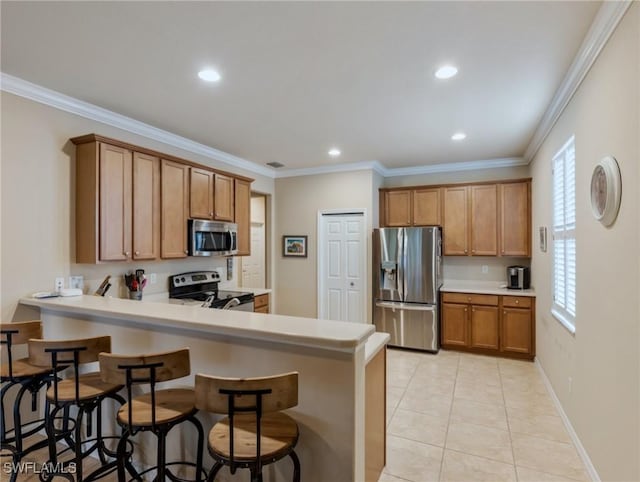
(201, 287)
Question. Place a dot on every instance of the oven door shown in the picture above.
(208, 238)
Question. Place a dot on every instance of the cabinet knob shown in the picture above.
(473, 310)
(465, 251)
(517, 301)
(473, 250)
(465, 310)
(186, 252)
(126, 253)
(468, 298)
(137, 253)
(505, 312)
(211, 214)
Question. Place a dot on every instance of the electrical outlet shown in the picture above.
(59, 283)
(153, 278)
(485, 269)
(76, 282)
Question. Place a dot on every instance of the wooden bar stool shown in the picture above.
(255, 433)
(30, 379)
(157, 411)
(85, 392)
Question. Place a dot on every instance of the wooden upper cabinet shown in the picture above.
(426, 207)
(484, 220)
(201, 189)
(455, 222)
(175, 209)
(243, 216)
(223, 198)
(146, 206)
(397, 208)
(115, 203)
(515, 219)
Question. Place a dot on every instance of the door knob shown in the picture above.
(351, 283)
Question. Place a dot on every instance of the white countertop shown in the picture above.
(374, 344)
(331, 335)
(483, 287)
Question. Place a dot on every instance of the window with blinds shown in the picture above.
(564, 235)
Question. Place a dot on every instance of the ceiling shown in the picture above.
(299, 78)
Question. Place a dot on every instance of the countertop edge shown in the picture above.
(455, 286)
(376, 342)
(176, 319)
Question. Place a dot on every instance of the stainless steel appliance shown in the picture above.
(518, 278)
(201, 288)
(212, 238)
(407, 275)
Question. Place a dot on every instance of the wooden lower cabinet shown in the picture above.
(488, 324)
(454, 324)
(484, 327)
(375, 439)
(261, 303)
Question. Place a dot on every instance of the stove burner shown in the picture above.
(203, 287)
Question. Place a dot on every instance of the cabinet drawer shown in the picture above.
(261, 300)
(470, 298)
(261, 309)
(516, 301)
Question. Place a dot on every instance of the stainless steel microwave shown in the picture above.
(211, 238)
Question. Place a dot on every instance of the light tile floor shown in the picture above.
(461, 417)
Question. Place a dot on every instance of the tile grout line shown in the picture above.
(446, 435)
(506, 415)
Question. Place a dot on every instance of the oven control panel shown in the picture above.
(194, 278)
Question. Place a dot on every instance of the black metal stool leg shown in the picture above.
(78, 444)
(122, 456)
(162, 459)
(200, 430)
(17, 419)
(214, 471)
(296, 466)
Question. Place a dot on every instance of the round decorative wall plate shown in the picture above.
(606, 189)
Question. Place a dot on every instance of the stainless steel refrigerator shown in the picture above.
(407, 267)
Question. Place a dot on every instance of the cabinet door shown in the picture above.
(223, 203)
(243, 216)
(146, 206)
(201, 189)
(175, 198)
(455, 221)
(515, 219)
(115, 203)
(484, 327)
(484, 220)
(516, 330)
(426, 207)
(454, 324)
(397, 206)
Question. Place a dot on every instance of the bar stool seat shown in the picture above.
(90, 386)
(279, 434)
(171, 404)
(22, 369)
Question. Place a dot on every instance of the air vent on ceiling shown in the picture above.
(275, 164)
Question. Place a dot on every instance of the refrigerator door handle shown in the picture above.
(401, 263)
(405, 306)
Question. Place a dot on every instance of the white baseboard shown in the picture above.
(591, 470)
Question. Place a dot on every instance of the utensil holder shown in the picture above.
(135, 295)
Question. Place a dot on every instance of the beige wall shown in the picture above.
(603, 358)
(37, 203)
(297, 204)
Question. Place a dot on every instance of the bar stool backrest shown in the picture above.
(59, 354)
(88, 349)
(17, 333)
(149, 369)
(168, 366)
(279, 392)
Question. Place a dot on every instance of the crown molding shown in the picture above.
(405, 171)
(604, 24)
(37, 93)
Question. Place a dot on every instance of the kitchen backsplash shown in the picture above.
(471, 267)
(94, 274)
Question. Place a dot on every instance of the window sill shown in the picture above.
(570, 327)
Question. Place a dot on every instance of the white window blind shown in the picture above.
(564, 235)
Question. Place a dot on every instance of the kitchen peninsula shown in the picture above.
(331, 358)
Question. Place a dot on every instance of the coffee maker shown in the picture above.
(518, 278)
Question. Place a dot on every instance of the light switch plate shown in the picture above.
(76, 282)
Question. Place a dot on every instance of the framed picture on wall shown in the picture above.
(294, 246)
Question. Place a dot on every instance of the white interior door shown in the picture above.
(342, 254)
(253, 266)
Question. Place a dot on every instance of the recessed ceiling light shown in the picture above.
(446, 72)
(334, 152)
(209, 75)
(458, 136)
